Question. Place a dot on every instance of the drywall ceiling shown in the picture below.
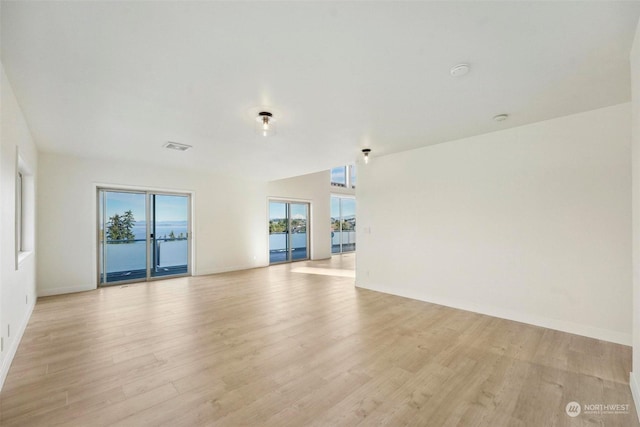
(117, 80)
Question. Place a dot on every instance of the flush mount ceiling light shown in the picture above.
(459, 70)
(265, 123)
(501, 117)
(366, 152)
(176, 146)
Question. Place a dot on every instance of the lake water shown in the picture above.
(162, 229)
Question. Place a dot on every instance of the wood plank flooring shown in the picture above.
(290, 346)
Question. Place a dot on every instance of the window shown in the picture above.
(339, 176)
(352, 176)
(24, 212)
(19, 210)
(344, 176)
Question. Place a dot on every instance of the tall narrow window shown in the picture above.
(352, 176)
(19, 211)
(24, 211)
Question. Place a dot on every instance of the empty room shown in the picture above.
(329, 213)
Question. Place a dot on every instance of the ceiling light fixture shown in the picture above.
(176, 146)
(459, 70)
(265, 123)
(365, 152)
(501, 117)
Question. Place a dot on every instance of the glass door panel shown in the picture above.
(122, 229)
(299, 241)
(348, 224)
(169, 237)
(335, 225)
(343, 224)
(279, 232)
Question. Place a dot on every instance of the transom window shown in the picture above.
(344, 176)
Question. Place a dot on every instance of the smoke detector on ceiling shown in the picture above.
(501, 117)
(176, 146)
(460, 70)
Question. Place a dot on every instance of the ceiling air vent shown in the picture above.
(176, 146)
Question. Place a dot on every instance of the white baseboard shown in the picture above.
(227, 269)
(635, 393)
(556, 324)
(66, 290)
(13, 347)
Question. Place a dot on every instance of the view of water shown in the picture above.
(162, 229)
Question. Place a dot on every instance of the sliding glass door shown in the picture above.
(142, 235)
(343, 224)
(288, 231)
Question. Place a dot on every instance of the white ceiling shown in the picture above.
(116, 80)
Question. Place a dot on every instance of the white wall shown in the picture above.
(17, 287)
(531, 223)
(635, 100)
(230, 231)
(313, 188)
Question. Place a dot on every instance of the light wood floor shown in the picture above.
(285, 346)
